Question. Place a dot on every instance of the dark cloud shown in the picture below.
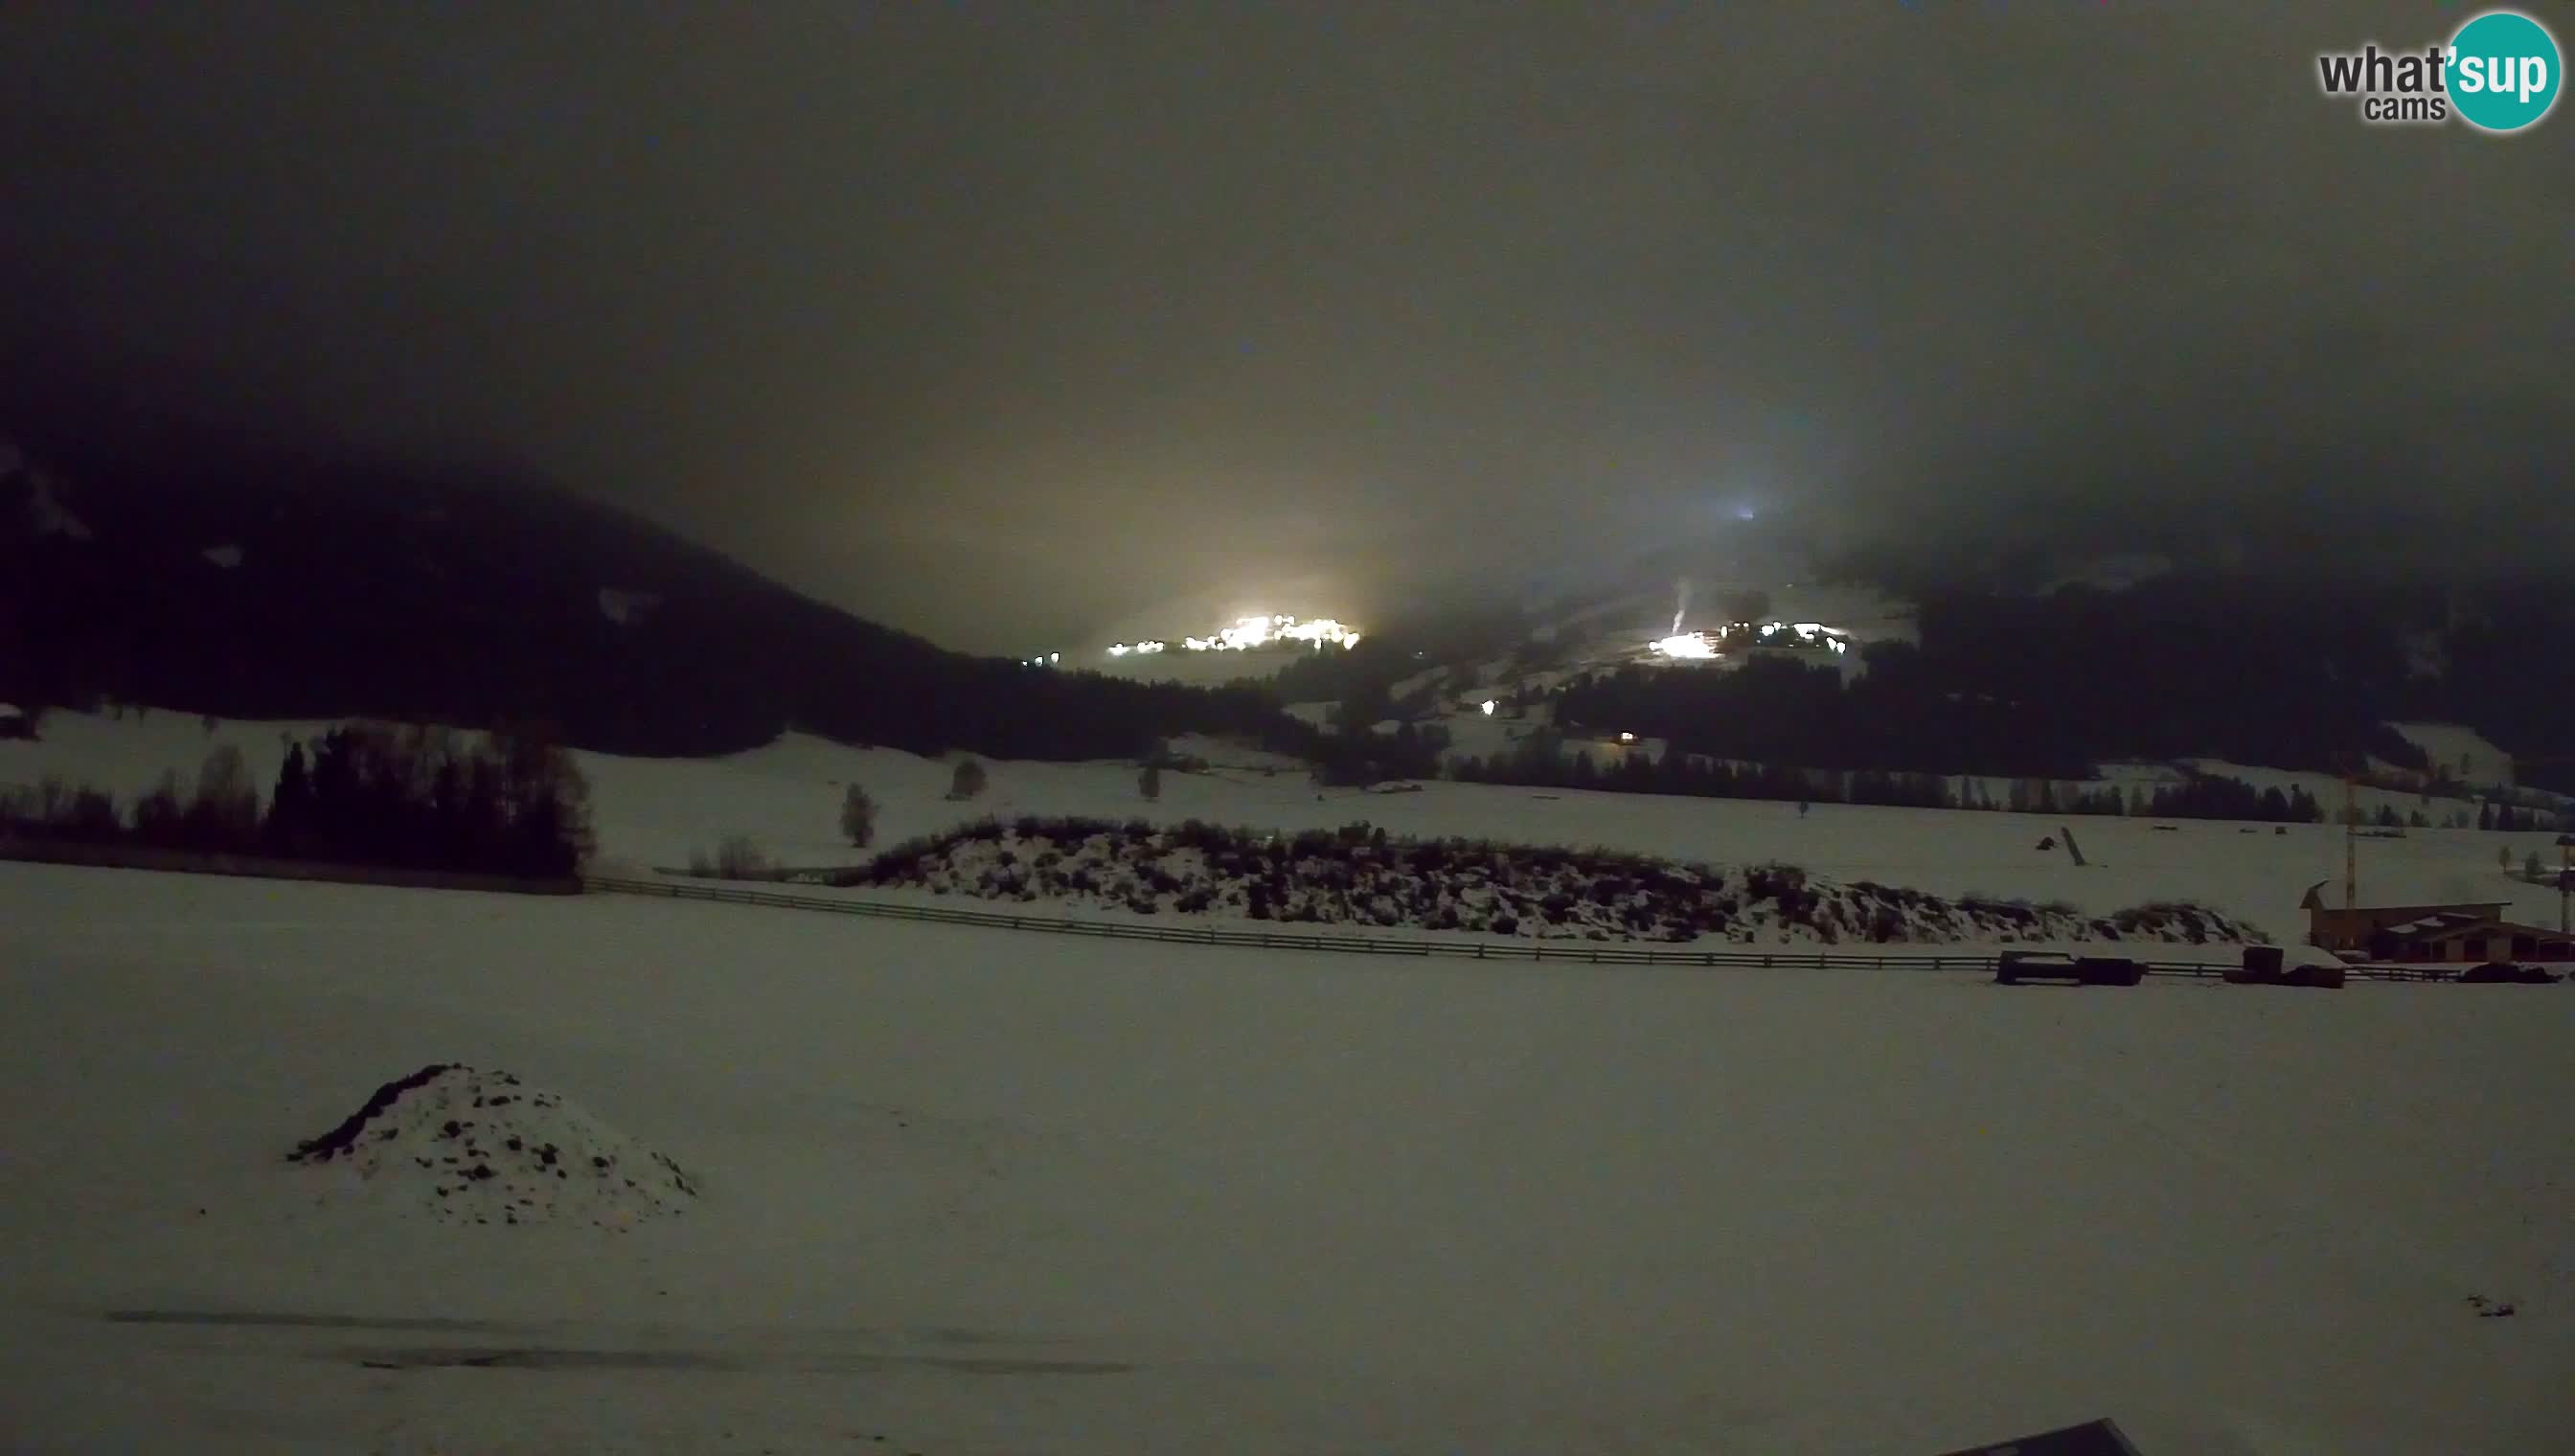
(997, 320)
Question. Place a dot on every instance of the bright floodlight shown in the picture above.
(1626, 738)
(1486, 708)
(1688, 645)
(1254, 632)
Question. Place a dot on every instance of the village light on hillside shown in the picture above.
(1486, 708)
(1626, 738)
(1250, 632)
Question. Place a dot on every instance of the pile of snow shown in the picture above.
(1355, 875)
(469, 1147)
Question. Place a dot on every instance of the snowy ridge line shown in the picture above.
(1588, 953)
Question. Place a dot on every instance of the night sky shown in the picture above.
(1001, 321)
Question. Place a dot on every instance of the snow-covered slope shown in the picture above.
(2460, 754)
(982, 1193)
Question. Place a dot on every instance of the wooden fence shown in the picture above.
(1590, 953)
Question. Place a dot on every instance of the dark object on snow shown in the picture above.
(2504, 972)
(2490, 1308)
(2093, 1438)
(341, 1138)
(2019, 968)
(2109, 970)
(2047, 843)
(2279, 828)
(2262, 967)
(2066, 832)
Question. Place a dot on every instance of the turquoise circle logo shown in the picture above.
(2504, 71)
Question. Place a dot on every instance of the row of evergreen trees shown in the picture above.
(511, 804)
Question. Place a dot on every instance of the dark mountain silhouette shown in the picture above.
(185, 569)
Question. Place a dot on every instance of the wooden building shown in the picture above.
(2468, 931)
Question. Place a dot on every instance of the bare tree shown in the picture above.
(226, 808)
(741, 857)
(858, 816)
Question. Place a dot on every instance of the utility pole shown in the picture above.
(2565, 881)
(2350, 842)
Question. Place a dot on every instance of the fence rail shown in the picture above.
(123, 855)
(1585, 953)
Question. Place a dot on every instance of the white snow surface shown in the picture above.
(978, 1192)
(482, 1148)
(653, 812)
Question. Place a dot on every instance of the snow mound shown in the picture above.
(1361, 875)
(467, 1146)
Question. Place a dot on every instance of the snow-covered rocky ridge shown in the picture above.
(1361, 875)
(467, 1146)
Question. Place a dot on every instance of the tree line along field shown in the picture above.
(510, 804)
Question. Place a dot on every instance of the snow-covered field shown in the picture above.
(653, 812)
(963, 1191)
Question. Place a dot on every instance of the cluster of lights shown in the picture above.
(1261, 631)
(1256, 631)
(1701, 646)
(1048, 661)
